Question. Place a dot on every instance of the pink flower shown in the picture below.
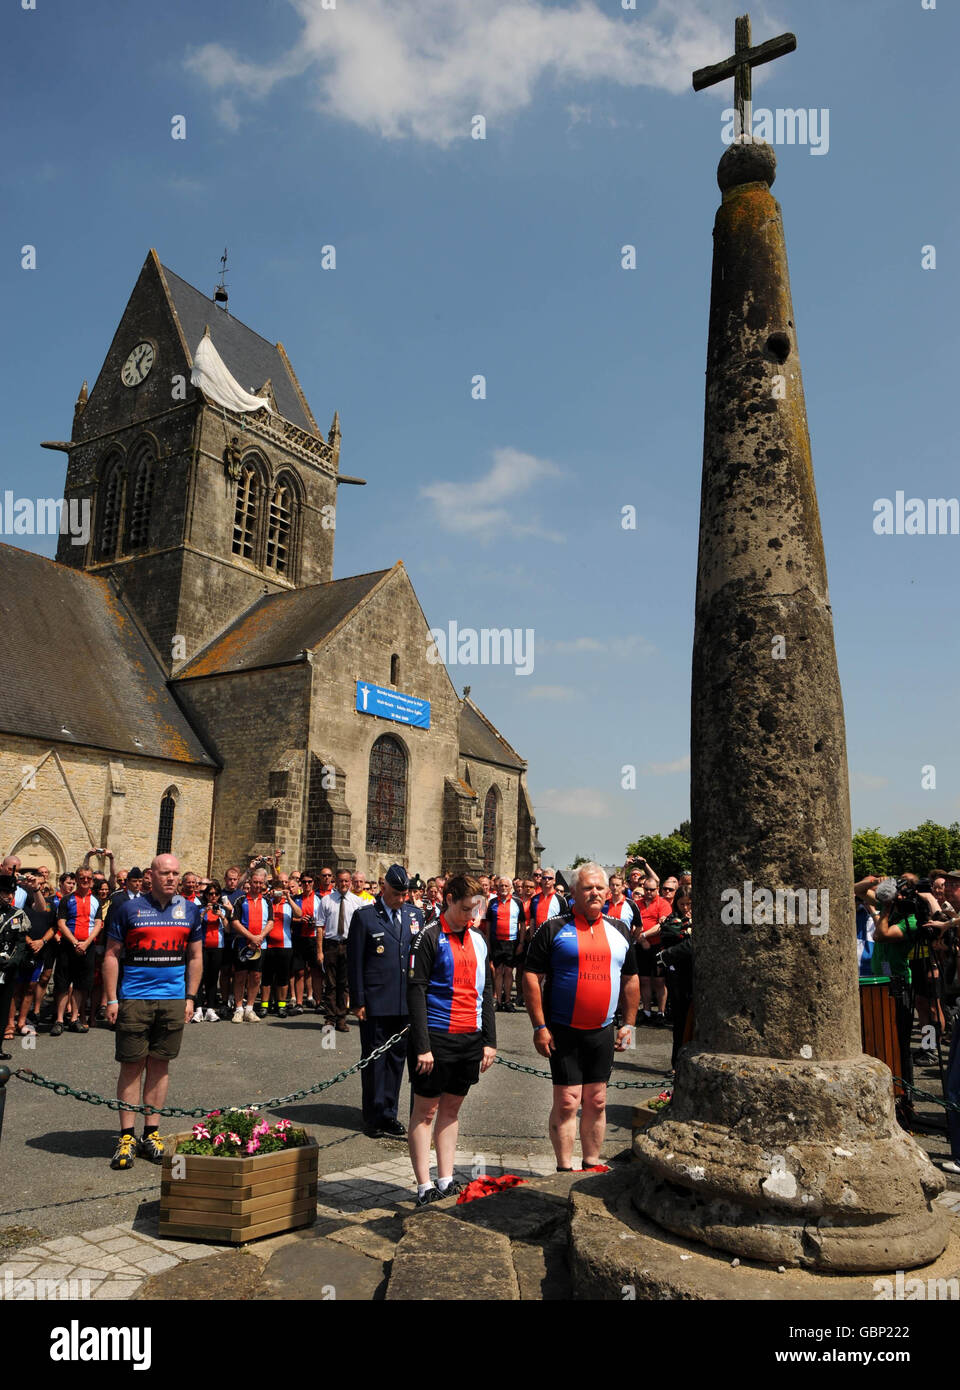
(262, 1128)
(252, 1145)
(235, 1137)
(282, 1138)
(200, 1131)
(211, 1113)
(282, 1125)
(220, 1139)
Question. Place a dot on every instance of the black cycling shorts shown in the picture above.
(304, 953)
(275, 965)
(503, 953)
(73, 967)
(456, 1065)
(581, 1054)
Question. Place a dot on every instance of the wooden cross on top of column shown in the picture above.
(740, 67)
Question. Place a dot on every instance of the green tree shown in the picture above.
(669, 854)
(928, 846)
(871, 853)
(580, 859)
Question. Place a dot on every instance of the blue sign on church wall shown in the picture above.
(388, 704)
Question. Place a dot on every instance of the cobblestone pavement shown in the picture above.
(114, 1261)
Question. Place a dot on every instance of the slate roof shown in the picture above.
(252, 360)
(280, 626)
(76, 661)
(479, 739)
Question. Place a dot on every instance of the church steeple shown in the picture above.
(80, 406)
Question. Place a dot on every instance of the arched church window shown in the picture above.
(168, 809)
(245, 513)
(111, 509)
(490, 830)
(387, 797)
(395, 669)
(279, 524)
(142, 501)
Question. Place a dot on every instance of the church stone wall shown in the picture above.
(119, 799)
(391, 621)
(254, 722)
(482, 776)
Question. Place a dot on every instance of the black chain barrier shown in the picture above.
(60, 1088)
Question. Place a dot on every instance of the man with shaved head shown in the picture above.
(159, 938)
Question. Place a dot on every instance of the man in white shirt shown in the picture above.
(334, 914)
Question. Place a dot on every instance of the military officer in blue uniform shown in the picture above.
(378, 954)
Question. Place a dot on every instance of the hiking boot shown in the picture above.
(124, 1153)
(151, 1146)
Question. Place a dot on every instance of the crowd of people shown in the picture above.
(146, 951)
(300, 964)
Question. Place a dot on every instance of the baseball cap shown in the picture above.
(396, 876)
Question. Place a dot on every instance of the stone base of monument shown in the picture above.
(616, 1253)
(800, 1163)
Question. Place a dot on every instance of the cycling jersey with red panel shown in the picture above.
(584, 964)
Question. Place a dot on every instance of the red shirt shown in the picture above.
(651, 915)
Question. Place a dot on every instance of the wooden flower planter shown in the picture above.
(232, 1200)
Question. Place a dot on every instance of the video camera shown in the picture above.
(14, 925)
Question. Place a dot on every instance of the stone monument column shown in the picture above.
(781, 1143)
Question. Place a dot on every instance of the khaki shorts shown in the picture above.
(149, 1028)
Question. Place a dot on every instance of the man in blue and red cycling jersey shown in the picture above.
(546, 902)
(79, 923)
(620, 906)
(307, 962)
(277, 956)
(159, 939)
(453, 1036)
(590, 969)
(505, 922)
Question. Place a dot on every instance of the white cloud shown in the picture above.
(574, 801)
(423, 68)
(869, 781)
(630, 644)
(477, 506)
(227, 113)
(553, 692)
(665, 769)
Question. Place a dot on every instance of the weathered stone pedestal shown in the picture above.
(616, 1253)
(799, 1163)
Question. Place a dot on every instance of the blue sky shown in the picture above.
(501, 257)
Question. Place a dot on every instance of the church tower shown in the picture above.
(201, 501)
